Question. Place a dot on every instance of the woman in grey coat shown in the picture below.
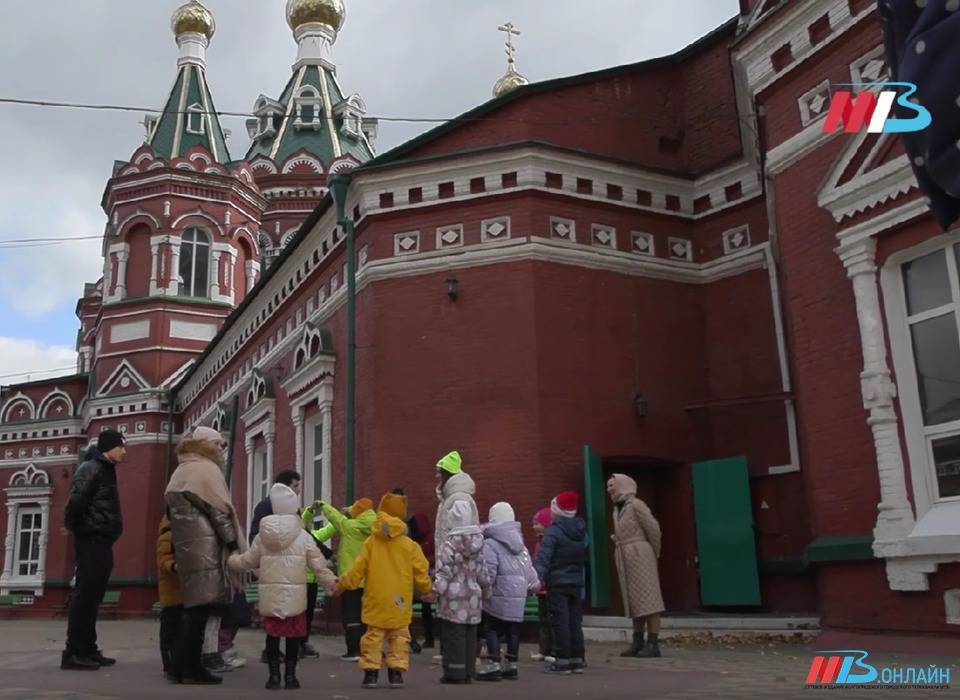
(205, 532)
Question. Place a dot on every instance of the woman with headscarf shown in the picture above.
(205, 532)
(637, 538)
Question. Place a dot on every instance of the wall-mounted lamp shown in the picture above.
(453, 286)
(640, 405)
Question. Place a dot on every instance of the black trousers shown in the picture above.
(94, 564)
(546, 626)
(497, 631)
(567, 615)
(353, 627)
(312, 590)
(189, 650)
(426, 617)
(458, 645)
(170, 620)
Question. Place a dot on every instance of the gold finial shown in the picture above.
(332, 13)
(193, 17)
(512, 79)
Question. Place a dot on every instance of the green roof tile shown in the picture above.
(190, 88)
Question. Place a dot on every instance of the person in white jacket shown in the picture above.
(282, 551)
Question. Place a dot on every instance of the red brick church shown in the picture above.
(665, 269)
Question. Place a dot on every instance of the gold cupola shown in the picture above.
(193, 18)
(332, 13)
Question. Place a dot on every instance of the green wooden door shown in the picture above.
(595, 495)
(725, 537)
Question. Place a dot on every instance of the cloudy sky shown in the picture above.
(407, 58)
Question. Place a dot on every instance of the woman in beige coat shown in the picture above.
(637, 537)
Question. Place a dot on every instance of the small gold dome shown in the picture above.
(511, 81)
(332, 13)
(193, 17)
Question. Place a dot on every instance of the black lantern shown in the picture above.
(640, 405)
(453, 286)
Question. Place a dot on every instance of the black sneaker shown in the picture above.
(201, 677)
(557, 670)
(371, 679)
(308, 652)
(395, 678)
(415, 647)
(76, 662)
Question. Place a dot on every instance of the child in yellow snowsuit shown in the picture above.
(396, 571)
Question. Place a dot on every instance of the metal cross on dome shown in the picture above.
(511, 31)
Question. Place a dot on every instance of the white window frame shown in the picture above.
(195, 244)
(18, 556)
(195, 116)
(310, 458)
(932, 512)
(29, 492)
(260, 474)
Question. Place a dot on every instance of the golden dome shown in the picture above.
(193, 17)
(332, 13)
(511, 81)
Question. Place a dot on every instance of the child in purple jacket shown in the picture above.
(512, 579)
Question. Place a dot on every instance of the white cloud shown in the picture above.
(20, 360)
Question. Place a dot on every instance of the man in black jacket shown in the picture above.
(93, 516)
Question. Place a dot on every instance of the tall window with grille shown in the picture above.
(29, 531)
(194, 263)
(261, 475)
(931, 287)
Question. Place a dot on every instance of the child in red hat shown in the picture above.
(561, 564)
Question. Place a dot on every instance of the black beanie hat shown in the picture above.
(108, 440)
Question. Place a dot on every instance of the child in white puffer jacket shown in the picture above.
(282, 551)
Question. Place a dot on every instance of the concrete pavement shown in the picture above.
(30, 656)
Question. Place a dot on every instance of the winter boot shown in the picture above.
(371, 679)
(634, 648)
(395, 678)
(273, 683)
(290, 681)
(651, 649)
(510, 671)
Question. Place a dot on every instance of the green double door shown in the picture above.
(726, 544)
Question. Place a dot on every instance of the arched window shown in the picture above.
(194, 263)
(195, 119)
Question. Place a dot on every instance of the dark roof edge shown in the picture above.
(53, 380)
(294, 243)
(683, 54)
(534, 143)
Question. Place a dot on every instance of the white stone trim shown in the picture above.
(191, 330)
(867, 188)
(937, 531)
(531, 162)
(407, 243)
(857, 67)
(130, 331)
(755, 51)
(14, 431)
(124, 370)
(680, 248)
(450, 236)
(736, 239)
(603, 236)
(29, 490)
(814, 104)
(17, 398)
(557, 226)
(57, 393)
(496, 229)
(642, 243)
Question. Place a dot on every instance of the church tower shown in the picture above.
(312, 130)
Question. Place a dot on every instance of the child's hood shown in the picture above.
(387, 527)
(277, 532)
(508, 534)
(466, 545)
(574, 529)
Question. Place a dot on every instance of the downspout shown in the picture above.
(171, 397)
(777, 305)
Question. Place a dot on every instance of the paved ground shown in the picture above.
(30, 655)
